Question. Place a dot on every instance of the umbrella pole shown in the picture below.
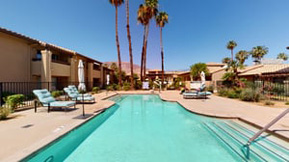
(83, 113)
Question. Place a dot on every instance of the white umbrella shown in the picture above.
(107, 79)
(203, 77)
(81, 85)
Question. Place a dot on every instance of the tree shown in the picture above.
(241, 56)
(226, 60)
(282, 56)
(116, 4)
(162, 19)
(130, 45)
(258, 53)
(230, 46)
(197, 68)
(145, 13)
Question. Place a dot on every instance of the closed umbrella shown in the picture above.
(107, 79)
(203, 77)
(81, 85)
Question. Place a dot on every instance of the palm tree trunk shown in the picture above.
(232, 55)
(162, 53)
(145, 50)
(142, 55)
(118, 48)
(130, 46)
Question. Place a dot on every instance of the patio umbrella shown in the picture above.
(203, 77)
(107, 79)
(81, 85)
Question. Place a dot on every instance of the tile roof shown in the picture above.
(43, 44)
(266, 69)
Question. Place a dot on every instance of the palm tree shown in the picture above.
(230, 46)
(130, 46)
(116, 4)
(282, 56)
(145, 13)
(226, 60)
(258, 53)
(241, 56)
(162, 18)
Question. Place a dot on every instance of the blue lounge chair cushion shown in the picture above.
(62, 104)
(74, 89)
(44, 96)
(84, 98)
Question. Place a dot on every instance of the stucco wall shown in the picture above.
(60, 70)
(15, 59)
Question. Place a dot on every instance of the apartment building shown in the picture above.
(24, 59)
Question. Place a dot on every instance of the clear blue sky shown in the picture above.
(198, 30)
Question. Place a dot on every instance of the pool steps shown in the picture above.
(235, 136)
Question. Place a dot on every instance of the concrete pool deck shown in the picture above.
(28, 131)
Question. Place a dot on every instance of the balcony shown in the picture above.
(58, 68)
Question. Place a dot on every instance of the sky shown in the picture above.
(198, 30)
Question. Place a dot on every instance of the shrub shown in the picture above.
(14, 101)
(287, 103)
(249, 94)
(126, 86)
(95, 89)
(4, 112)
(109, 88)
(269, 103)
(56, 94)
(210, 88)
(232, 94)
(223, 92)
(138, 84)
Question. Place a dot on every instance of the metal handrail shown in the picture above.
(275, 120)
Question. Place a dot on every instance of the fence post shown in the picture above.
(48, 87)
(1, 93)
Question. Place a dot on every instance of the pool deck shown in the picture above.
(29, 131)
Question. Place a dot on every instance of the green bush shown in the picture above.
(210, 88)
(232, 94)
(109, 88)
(138, 84)
(4, 112)
(249, 94)
(223, 92)
(287, 103)
(14, 101)
(269, 103)
(95, 89)
(126, 86)
(56, 94)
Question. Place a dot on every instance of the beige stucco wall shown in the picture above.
(217, 76)
(15, 59)
(60, 70)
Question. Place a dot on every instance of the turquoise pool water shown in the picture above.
(141, 128)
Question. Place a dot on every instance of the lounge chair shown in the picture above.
(74, 89)
(75, 96)
(45, 98)
(195, 95)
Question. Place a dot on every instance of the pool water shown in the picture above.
(142, 128)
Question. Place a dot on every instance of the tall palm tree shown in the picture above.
(145, 13)
(116, 4)
(130, 46)
(230, 46)
(162, 18)
(241, 56)
(258, 53)
(282, 56)
(143, 19)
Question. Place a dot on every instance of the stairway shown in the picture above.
(234, 135)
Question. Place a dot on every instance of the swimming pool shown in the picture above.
(141, 128)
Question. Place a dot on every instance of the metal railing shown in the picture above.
(26, 88)
(275, 120)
